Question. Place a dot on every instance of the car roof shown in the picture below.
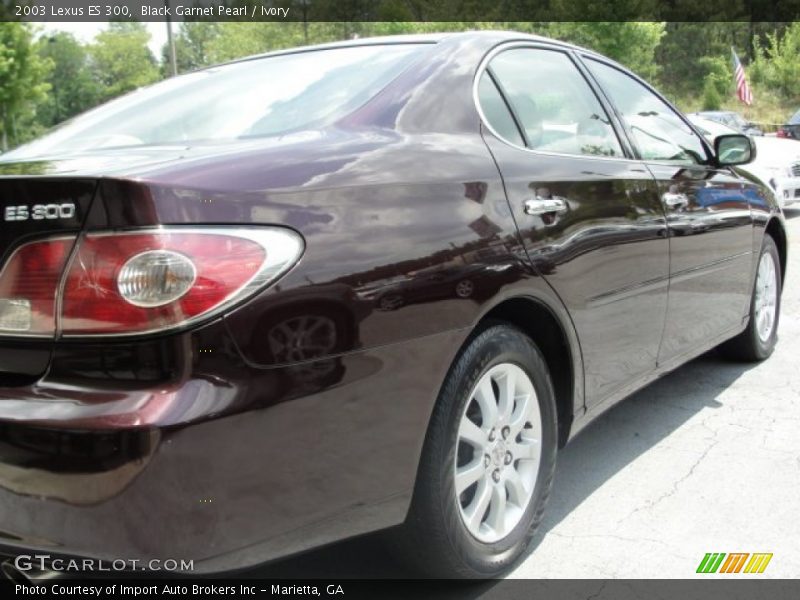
(486, 36)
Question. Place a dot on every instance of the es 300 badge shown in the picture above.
(40, 212)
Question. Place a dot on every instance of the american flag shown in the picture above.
(742, 89)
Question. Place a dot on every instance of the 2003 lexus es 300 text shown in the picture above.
(268, 305)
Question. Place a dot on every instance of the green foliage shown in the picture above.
(22, 82)
(631, 43)
(777, 62)
(711, 97)
(718, 73)
(121, 60)
(73, 88)
(690, 52)
(192, 44)
(234, 40)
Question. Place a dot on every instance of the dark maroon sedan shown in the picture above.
(195, 362)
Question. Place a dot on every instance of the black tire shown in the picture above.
(434, 536)
(748, 345)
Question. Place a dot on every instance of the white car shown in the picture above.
(777, 161)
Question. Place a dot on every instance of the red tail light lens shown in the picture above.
(140, 282)
(782, 133)
(29, 287)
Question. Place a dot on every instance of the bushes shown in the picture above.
(711, 97)
(776, 65)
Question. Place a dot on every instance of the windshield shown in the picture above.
(260, 97)
(795, 120)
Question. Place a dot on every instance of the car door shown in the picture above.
(588, 215)
(708, 215)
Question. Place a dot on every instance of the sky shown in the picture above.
(86, 32)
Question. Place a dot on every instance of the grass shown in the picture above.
(768, 110)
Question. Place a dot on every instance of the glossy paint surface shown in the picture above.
(227, 443)
(607, 256)
(283, 457)
(711, 254)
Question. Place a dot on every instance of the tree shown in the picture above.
(22, 82)
(235, 39)
(192, 44)
(711, 97)
(121, 60)
(691, 52)
(632, 44)
(776, 65)
(73, 89)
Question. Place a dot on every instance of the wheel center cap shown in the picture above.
(499, 454)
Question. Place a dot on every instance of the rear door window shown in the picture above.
(553, 103)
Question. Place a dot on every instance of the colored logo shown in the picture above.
(736, 562)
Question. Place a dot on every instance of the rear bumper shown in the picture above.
(214, 461)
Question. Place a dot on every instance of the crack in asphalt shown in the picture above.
(675, 485)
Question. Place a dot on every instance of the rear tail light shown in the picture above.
(144, 281)
(155, 278)
(29, 285)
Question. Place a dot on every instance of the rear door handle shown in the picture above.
(543, 206)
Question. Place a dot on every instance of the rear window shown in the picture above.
(795, 120)
(253, 98)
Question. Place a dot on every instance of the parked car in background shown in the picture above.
(732, 119)
(195, 359)
(792, 128)
(777, 161)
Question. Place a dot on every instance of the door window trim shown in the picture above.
(511, 110)
(484, 67)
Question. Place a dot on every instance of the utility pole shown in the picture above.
(57, 115)
(304, 10)
(173, 61)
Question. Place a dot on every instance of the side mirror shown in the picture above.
(734, 149)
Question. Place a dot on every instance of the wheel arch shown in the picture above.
(776, 230)
(558, 344)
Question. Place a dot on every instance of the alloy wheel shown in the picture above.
(498, 454)
(766, 297)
